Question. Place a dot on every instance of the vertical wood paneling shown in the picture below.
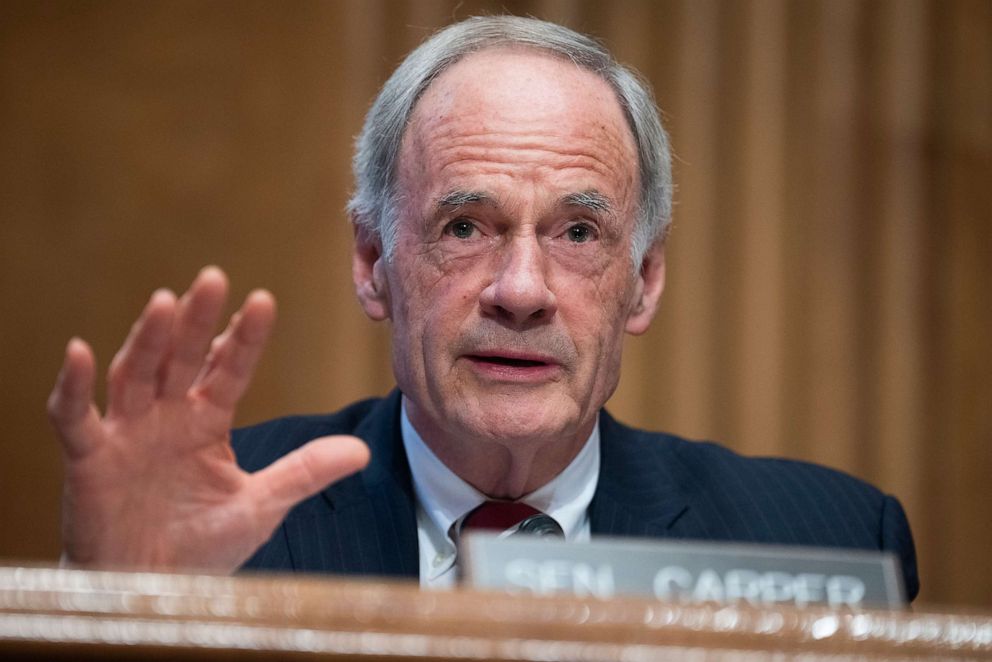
(829, 269)
(962, 443)
(693, 264)
(830, 371)
(901, 124)
(760, 337)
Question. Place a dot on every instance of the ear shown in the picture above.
(647, 293)
(368, 273)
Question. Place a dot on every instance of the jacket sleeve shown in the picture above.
(897, 538)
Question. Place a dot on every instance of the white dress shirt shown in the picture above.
(443, 499)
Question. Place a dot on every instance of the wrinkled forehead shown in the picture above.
(552, 79)
(520, 95)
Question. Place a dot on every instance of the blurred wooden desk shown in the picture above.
(71, 614)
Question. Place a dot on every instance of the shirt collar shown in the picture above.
(444, 497)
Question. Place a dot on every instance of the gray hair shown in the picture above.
(374, 203)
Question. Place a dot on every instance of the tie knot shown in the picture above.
(498, 515)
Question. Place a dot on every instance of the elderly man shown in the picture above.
(513, 194)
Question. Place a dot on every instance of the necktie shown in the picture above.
(503, 515)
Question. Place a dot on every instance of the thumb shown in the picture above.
(308, 470)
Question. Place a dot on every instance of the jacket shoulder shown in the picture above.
(718, 470)
(770, 476)
(733, 497)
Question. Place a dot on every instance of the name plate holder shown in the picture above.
(694, 572)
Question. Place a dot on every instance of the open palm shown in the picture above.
(153, 484)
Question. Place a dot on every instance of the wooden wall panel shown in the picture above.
(823, 191)
(693, 279)
(958, 452)
(899, 122)
(828, 271)
(759, 201)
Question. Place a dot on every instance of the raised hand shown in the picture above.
(153, 484)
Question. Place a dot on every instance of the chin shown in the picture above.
(531, 419)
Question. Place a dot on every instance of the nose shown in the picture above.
(519, 291)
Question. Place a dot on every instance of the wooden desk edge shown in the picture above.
(48, 610)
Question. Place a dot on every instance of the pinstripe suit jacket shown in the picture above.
(651, 485)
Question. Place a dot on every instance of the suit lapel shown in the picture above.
(640, 490)
(365, 524)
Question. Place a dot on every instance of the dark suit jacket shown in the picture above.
(651, 485)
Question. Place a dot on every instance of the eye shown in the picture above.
(580, 233)
(460, 228)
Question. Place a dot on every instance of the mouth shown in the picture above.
(509, 361)
(513, 366)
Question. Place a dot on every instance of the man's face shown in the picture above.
(511, 283)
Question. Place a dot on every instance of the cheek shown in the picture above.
(591, 262)
(595, 311)
(601, 295)
(432, 303)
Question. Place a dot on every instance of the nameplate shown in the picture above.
(694, 572)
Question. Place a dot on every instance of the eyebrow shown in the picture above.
(592, 200)
(455, 199)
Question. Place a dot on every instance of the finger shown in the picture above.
(235, 353)
(197, 313)
(70, 406)
(306, 471)
(132, 382)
